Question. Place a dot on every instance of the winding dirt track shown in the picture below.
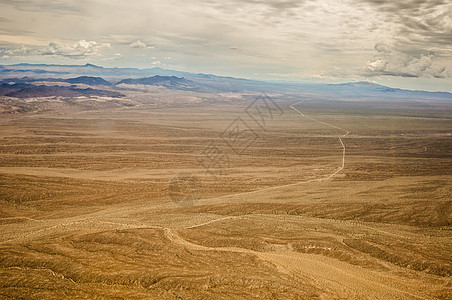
(327, 177)
(334, 276)
(330, 125)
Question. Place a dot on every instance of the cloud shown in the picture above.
(65, 6)
(417, 22)
(137, 44)
(20, 51)
(395, 63)
(268, 7)
(240, 37)
(79, 49)
(382, 47)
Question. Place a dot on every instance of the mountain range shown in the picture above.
(26, 90)
(127, 78)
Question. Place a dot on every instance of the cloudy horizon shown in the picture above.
(406, 45)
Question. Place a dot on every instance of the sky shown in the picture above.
(406, 44)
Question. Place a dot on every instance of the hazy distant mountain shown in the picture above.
(96, 75)
(25, 90)
(166, 81)
(88, 80)
(362, 88)
(7, 89)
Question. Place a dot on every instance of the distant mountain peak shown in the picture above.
(168, 81)
(88, 80)
(92, 66)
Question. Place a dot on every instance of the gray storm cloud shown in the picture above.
(390, 62)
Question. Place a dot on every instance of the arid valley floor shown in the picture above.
(92, 199)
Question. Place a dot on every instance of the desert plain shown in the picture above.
(169, 194)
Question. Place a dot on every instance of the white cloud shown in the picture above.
(395, 63)
(137, 44)
(20, 51)
(79, 49)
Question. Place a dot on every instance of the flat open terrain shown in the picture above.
(148, 200)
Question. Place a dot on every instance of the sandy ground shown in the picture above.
(319, 206)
